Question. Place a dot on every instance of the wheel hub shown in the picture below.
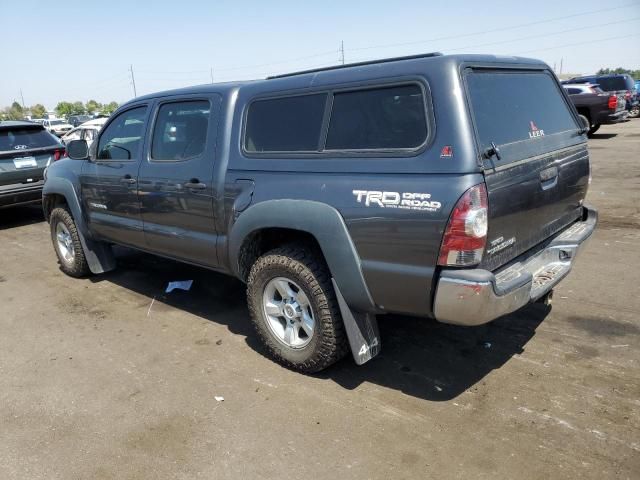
(288, 312)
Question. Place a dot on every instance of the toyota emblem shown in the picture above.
(20, 147)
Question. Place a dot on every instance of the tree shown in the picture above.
(78, 108)
(38, 110)
(109, 108)
(64, 109)
(92, 106)
(607, 71)
(14, 112)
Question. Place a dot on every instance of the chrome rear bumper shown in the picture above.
(474, 297)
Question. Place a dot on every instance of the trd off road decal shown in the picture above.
(403, 200)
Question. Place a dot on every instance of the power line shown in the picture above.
(580, 43)
(560, 32)
(501, 29)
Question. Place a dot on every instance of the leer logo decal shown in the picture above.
(404, 200)
(534, 131)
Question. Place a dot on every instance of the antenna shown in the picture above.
(341, 51)
(211, 74)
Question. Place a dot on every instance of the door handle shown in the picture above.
(194, 184)
(128, 179)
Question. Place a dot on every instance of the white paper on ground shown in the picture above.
(182, 285)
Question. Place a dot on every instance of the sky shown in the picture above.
(80, 50)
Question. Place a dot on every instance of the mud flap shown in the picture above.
(98, 254)
(362, 330)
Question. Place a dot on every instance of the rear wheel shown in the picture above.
(594, 129)
(294, 310)
(634, 112)
(66, 242)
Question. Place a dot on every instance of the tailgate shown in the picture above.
(537, 181)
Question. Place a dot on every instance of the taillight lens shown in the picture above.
(613, 102)
(59, 153)
(466, 234)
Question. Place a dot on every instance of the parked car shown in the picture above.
(57, 126)
(595, 106)
(75, 120)
(87, 131)
(342, 193)
(26, 148)
(613, 83)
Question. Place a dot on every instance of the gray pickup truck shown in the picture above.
(448, 187)
(595, 106)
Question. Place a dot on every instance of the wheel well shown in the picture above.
(259, 242)
(585, 112)
(52, 201)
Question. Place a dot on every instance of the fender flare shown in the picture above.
(98, 254)
(327, 226)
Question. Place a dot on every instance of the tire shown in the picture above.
(634, 112)
(584, 120)
(66, 243)
(594, 129)
(296, 267)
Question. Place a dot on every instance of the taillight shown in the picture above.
(613, 102)
(58, 154)
(466, 234)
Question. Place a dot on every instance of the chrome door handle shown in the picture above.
(195, 185)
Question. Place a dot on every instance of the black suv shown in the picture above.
(26, 148)
(449, 187)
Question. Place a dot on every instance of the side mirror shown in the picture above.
(78, 150)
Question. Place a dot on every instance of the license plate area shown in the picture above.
(25, 162)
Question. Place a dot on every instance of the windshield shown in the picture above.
(25, 138)
(57, 122)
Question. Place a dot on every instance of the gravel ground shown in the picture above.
(110, 378)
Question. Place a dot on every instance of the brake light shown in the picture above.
(613, 102)
(466, 234)
(58, 154)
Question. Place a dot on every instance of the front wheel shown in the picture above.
(294, 309)
(594, 129)
(66, 242)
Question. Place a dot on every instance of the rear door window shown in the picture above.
(517, 107)
(286, 124)
(378, 119)
(180, 130)
(19, 139)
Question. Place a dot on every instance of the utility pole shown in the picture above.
(342, 51)
(22, 97)
(211, 74)
(133, 81)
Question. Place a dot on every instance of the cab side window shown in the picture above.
(122, 139)
(180, 131)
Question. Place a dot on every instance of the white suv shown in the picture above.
(57, 126)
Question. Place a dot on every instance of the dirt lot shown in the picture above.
(110, 378)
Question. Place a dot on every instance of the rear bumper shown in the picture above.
(21, 195)
(474, 297)
(606, 118)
